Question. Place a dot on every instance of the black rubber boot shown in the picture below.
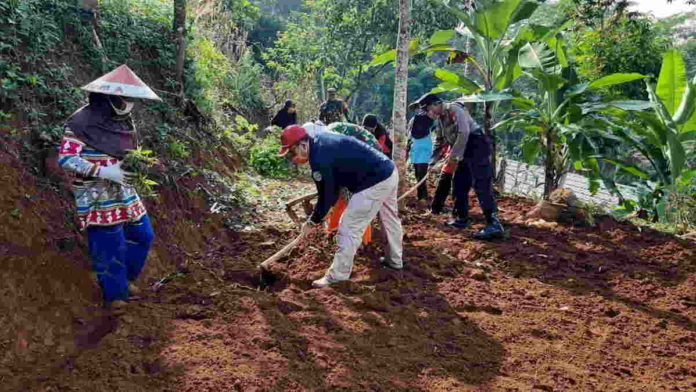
(494, 229)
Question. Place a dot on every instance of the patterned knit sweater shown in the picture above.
(99, 202)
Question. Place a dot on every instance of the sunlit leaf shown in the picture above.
(687, 176)
(629, 168)
(442, 37)
(466, 84)
(614, 79)
(538, 56)
(677, 154)
(672, 81)
(523, 103)
(384, 58)
(494, 18)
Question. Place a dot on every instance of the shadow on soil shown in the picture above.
(400, 335)
(597, 259)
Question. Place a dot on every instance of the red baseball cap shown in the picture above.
(290, 136)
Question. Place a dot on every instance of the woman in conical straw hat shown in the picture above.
(97, 137)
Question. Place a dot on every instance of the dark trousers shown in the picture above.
(444, 186)
(421, 170)
(476, 171)
(118, 255)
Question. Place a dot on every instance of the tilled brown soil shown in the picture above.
(608, 308)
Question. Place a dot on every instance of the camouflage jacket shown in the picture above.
(332, 111)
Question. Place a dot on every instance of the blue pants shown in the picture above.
(474, 170)
(118, 255)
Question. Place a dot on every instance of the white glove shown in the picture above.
(114, 173)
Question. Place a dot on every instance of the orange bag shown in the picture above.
(335, 219)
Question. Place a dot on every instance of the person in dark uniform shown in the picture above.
(285, 116)
(333, 109)
(420, 144)
(470, 156)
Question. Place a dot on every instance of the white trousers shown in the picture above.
(362, 209)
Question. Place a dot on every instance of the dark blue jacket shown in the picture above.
(343, 161)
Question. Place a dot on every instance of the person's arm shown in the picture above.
(70, 160)
(274, 121)
(69, 156)
(327, 191)
(463, 122)
(382, 140)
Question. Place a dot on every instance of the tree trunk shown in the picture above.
(180, 33)
(322, 87)
(550, 169)
(401, 90)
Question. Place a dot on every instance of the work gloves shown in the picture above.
(115, 174)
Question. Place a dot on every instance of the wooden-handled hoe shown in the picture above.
(305, 200)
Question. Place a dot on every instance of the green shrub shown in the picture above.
(210, 68)
(244, 83)
(179, 150)
(136, 26)
(264, 158)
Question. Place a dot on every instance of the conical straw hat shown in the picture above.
(124, 82)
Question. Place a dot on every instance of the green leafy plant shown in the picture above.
(179, 150)
(139, 162)
(490, 26)
(263, 157)
(660, 136)
(553, 117)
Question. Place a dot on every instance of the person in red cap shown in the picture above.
(97, 137)
(342, 161)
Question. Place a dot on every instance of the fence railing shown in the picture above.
(528, 180)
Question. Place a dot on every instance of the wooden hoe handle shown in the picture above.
(408, 192)
(278, 255)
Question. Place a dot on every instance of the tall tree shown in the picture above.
(180, 33)
(606, 39)
(401, 81)
(334, 38)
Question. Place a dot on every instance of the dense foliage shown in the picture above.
(573, 85)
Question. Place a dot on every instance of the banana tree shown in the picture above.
(555, 116)
(664, 136)
(490, 24)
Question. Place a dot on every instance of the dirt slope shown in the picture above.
(565, 309)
